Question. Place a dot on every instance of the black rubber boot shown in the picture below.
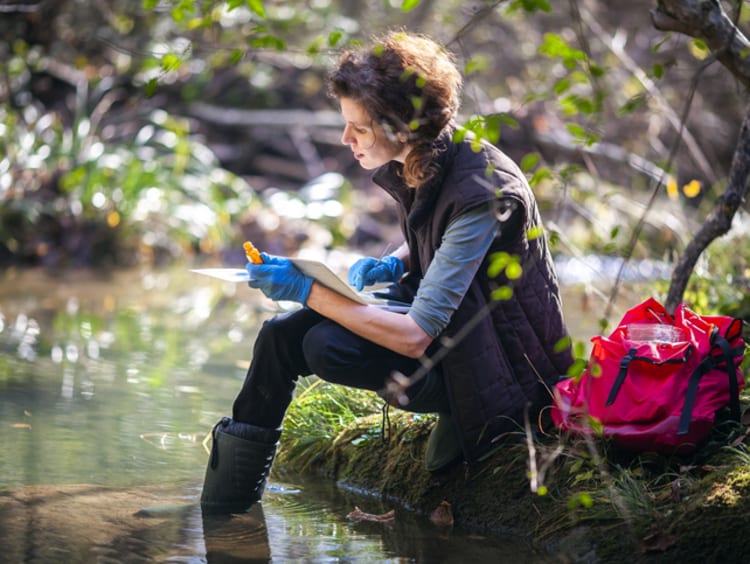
(240, 461)
(443, 446)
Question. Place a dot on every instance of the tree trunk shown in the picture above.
(720, 219)
(706, 20)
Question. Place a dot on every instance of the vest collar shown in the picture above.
(420, 201)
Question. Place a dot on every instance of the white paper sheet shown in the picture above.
(228, 274)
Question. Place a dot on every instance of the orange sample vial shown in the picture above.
(252, 254)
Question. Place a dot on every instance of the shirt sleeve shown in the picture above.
(465, 243)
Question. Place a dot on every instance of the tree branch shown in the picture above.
(719, 221)
(706, 20)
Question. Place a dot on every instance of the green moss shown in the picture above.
(591, 502)
(653, 508)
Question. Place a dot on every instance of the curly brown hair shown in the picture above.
(410, 86)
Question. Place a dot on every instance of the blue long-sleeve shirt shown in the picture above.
(465, 243)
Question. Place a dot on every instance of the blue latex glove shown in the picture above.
(279, 279)
(368, 271)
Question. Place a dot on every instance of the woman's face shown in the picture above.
(366, 139)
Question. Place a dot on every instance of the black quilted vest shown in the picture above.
(504, 352)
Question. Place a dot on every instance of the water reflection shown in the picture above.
(109, 385)
(295, 523)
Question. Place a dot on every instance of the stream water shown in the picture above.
(109, 385)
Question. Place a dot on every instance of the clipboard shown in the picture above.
(319, 272)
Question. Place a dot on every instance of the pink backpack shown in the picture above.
(657, 381)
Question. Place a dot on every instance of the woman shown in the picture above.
(480, 362)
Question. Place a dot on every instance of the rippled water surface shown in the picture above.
(109, 385)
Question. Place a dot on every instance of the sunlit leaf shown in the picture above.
(576, 369)
(562, 344)
(561, 86)
(529, 161)
(256, 7)
(692, 188)
(514, 271)
(113, 219)
(236, 56)
(530, 5)
(498, 263)
(268, 42)
(503, 293)
(170, 62)
(555, 47)
(596, 71)
(633, 103)
(509, 120)
(541, 174)
(673, 191)
(581, 499)
(476, 64)
(334, 38)
(535, 232)
(576, 130)
(409, 5)
(698, 49)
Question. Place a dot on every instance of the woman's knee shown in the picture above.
(332, 352)
(284, 327)
(315, 348)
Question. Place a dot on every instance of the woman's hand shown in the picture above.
(368, 271)
(279, 279)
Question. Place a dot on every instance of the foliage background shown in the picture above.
(144, 133)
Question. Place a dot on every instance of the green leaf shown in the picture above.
(268, 42)
(236, 56)
(529, 161)
(502, 293)
(409, 5)
(530, 6)
(596, 70)
(459, 135)
(634, 103)
(535, 233)
(509, 120)
(562, 85)
(581, 499)
(256, 7)
(151, 86)
(576, 130)
(498, 263)
(476, 64)
(542, 173)
(700, 44)
(576, 369)
(562, 345)
(555, 47)
(334, 38)
(514, 271)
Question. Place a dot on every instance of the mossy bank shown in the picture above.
(579, 501)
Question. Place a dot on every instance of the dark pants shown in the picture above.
(302, 343)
